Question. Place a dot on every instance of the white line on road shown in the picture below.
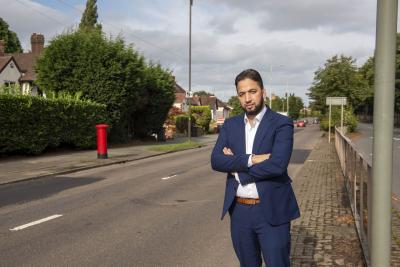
(168, 177)
(36, 222)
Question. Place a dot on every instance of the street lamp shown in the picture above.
(270, 83)
(190, 69)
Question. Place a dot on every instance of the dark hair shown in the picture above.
(250, 74)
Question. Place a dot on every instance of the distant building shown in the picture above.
(18, 68)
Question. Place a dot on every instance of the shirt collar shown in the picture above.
(258, 117)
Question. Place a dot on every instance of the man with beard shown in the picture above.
(254, 150)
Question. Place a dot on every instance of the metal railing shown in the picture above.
(358, 178)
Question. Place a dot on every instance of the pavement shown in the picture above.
(21, 168)
(324, 235)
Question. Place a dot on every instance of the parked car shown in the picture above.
(300, 124)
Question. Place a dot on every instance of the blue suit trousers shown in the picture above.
(252, 235)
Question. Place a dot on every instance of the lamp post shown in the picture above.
(190, 70)
(287, 98)
(270, 83)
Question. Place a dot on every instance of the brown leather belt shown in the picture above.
(247, 201)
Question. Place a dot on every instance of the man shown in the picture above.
(254, 150)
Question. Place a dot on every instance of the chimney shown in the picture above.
(2, 47)
(37, 43)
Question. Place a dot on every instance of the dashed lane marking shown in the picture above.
(21, 227)
(168, 177)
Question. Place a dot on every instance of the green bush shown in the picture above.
(202, 114)
(350, 119)
(181, 122)
(31, 124)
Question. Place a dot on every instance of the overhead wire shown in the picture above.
(128, 33)
(39, 12)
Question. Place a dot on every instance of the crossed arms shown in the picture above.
(265, 166)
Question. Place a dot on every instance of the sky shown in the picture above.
(286, 41)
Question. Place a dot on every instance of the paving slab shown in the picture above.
(325, 234)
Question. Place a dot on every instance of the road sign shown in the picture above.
(336, 101)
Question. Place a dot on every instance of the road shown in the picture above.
(160, 211)
(364, 145)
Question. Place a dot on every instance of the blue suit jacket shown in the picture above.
(275, 136)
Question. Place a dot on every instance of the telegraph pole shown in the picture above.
(190, 71)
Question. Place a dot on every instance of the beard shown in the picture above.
(256, 110)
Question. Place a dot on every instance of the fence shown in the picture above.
(358, 178)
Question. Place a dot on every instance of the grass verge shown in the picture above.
(175, 147)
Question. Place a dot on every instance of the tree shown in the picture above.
(202, 93)
(89, 17)
(236, 107)
(156, 101)
(339, 77)
(367, 72)
(295, 105)
(104, 70)
(10, 38)
(278, 104)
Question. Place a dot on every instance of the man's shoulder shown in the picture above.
(234, 120)
(281, 118)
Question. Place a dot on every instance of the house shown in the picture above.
(9, 69)
(180, 97)
(22, 63)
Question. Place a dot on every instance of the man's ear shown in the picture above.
(264, 93)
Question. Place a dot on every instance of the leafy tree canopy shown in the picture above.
(339, 77)
(203, 93)
(234, 103)
(12, 44)
(105, 71)
(89, 17)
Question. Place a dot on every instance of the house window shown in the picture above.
(9, 83)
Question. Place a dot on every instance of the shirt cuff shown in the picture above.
(250, 162)
(236, 177)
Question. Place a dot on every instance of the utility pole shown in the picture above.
(382, 161)
(287, 99)
(190, 71)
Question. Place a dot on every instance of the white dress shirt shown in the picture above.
(250, 190)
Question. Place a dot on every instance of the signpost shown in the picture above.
(335, 101)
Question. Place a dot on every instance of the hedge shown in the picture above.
(29, 124)
(182, 122)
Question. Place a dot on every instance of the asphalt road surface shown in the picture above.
(161, 211)
(364, 145)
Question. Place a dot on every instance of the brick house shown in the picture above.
(18, 68)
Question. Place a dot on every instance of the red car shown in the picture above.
(300, 124)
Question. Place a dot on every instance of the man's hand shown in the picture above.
(255, 159)
(227, 151)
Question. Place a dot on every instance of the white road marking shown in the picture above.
(36, 222)
(168, 177)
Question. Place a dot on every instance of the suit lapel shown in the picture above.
(262, 129)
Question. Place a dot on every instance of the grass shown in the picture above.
(174, 147)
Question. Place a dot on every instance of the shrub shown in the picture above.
(350, 119)
(202, 114)
(31, 124)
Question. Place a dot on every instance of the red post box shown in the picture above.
(102, 141)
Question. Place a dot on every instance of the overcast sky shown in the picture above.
(293, 38)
